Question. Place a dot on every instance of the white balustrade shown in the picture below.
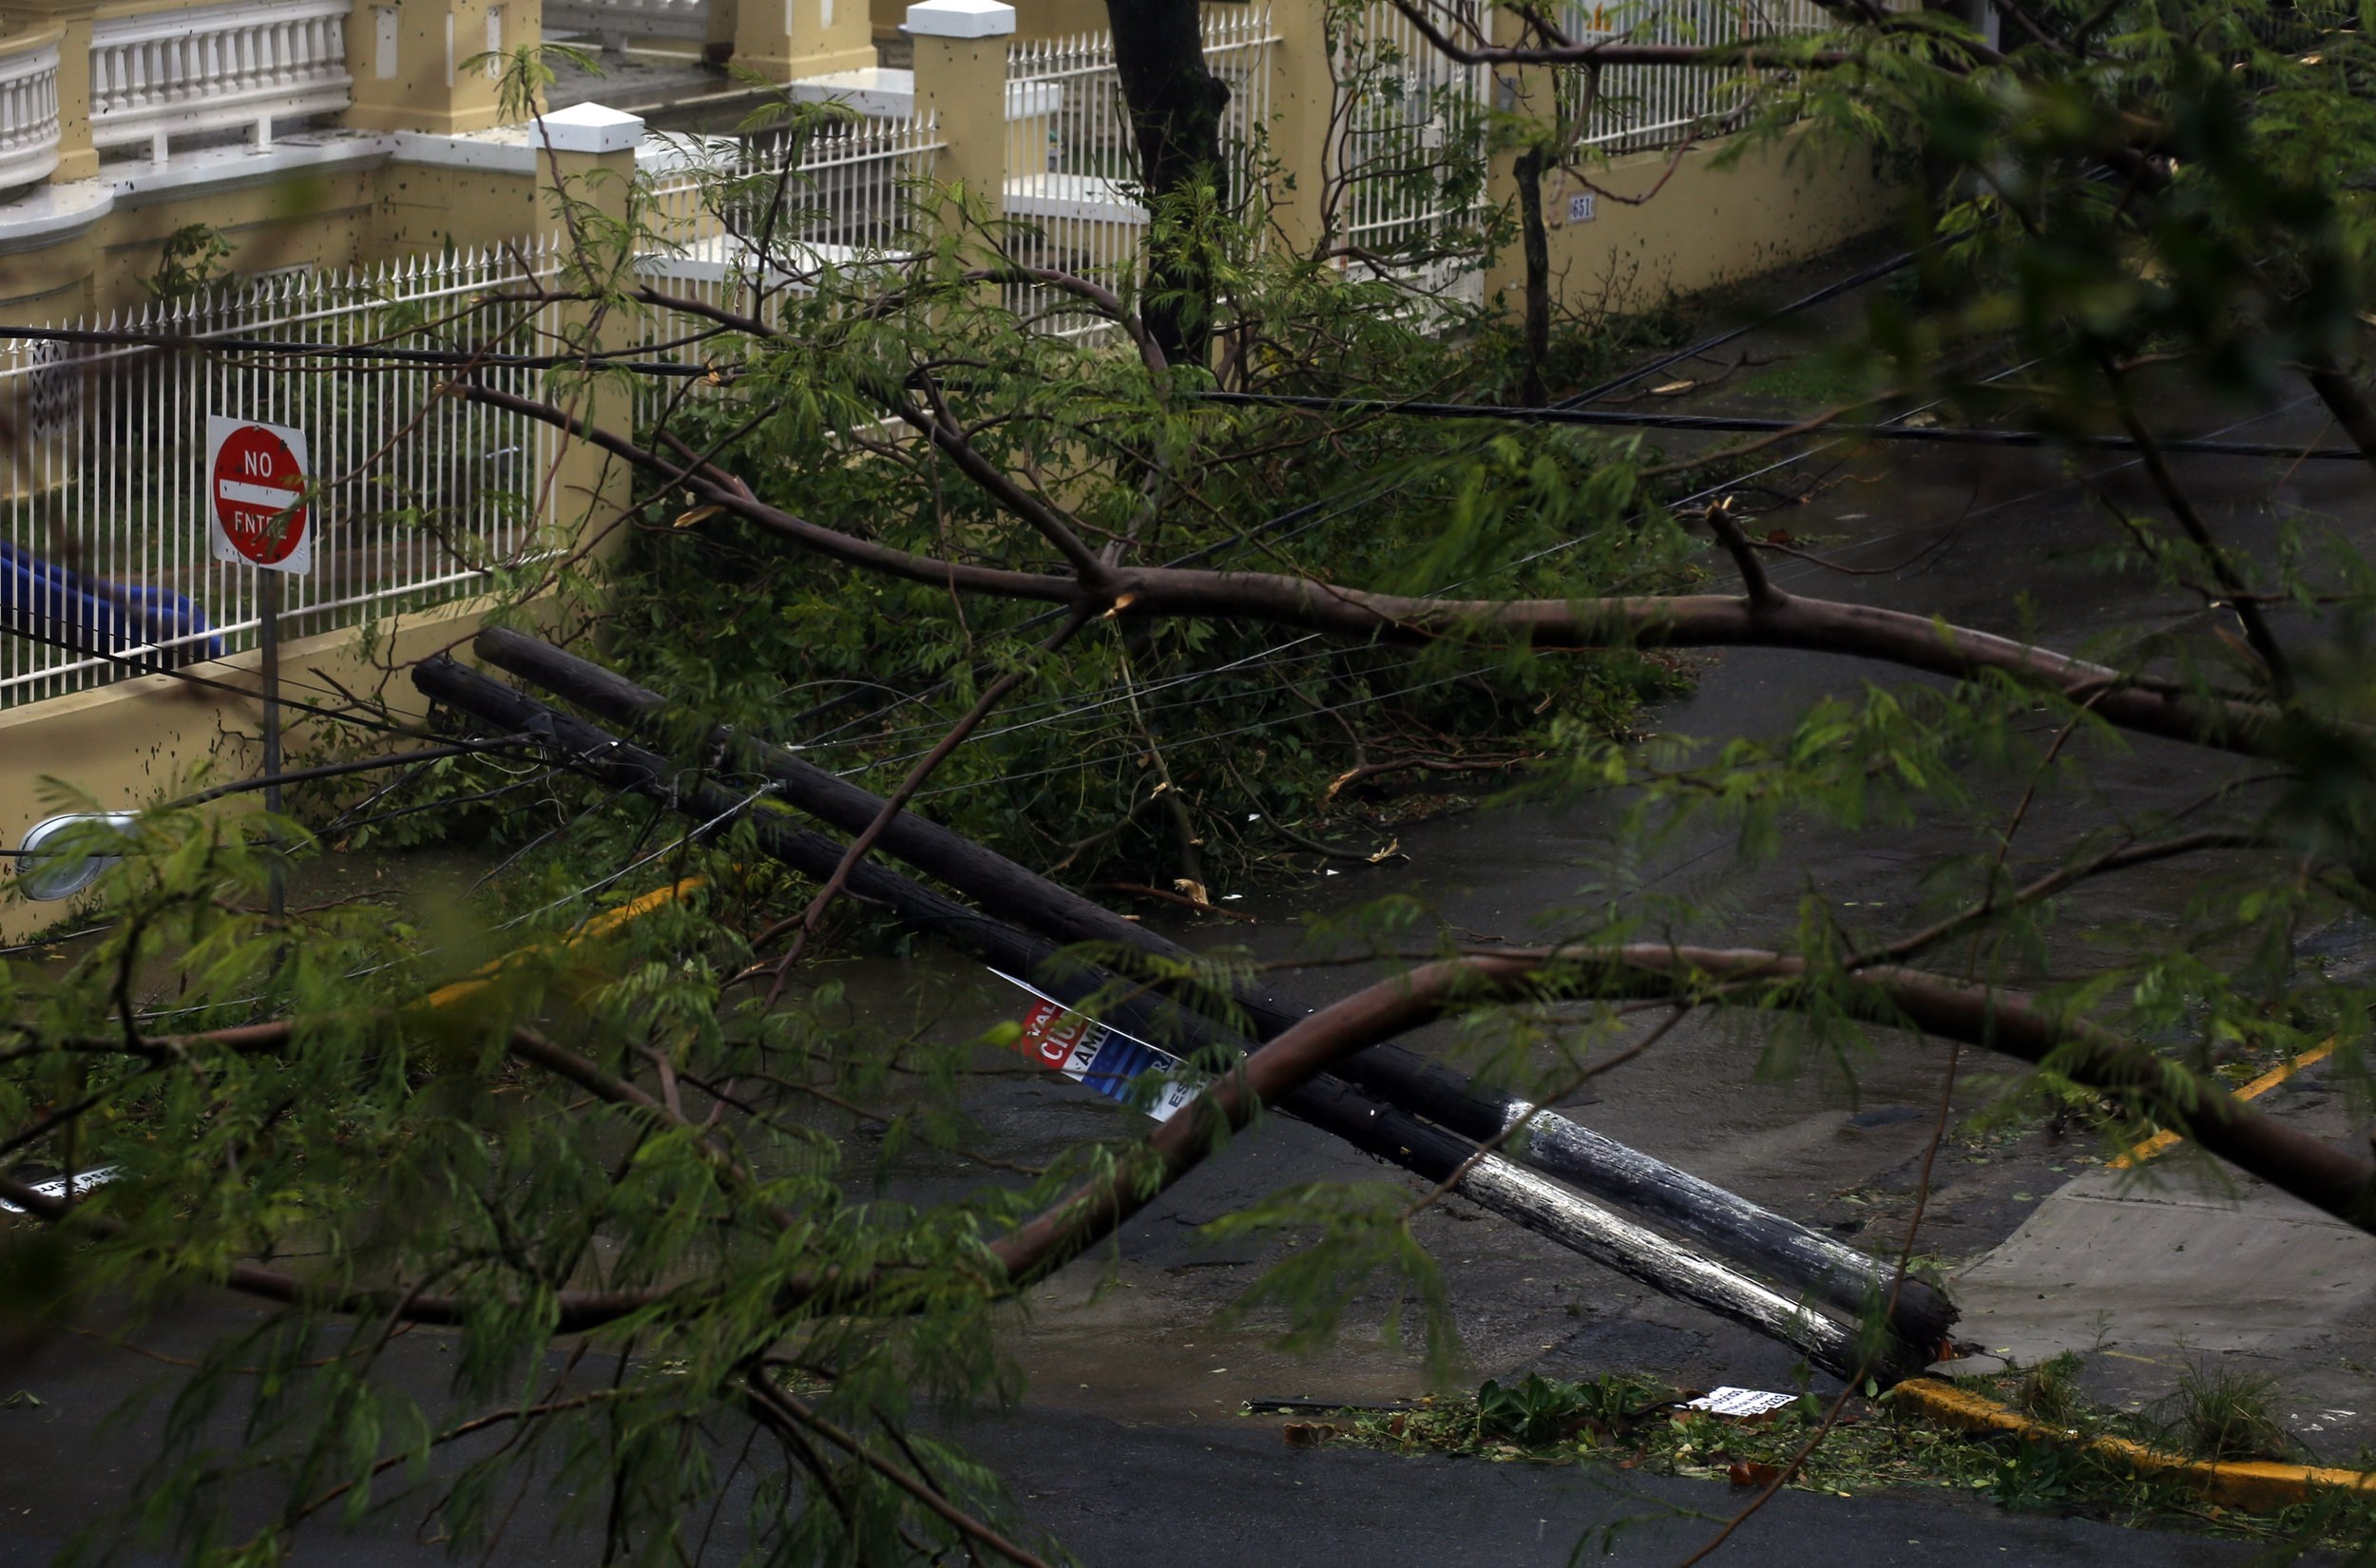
(616, 21)
(29, 108)
(170, 73)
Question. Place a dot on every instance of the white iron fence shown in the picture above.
(1637, 107)
(831, 192)
(1407, 150)
(416, 497)
(738, 225)
(1073, 175)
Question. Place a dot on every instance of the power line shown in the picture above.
(306, 349)
(1744, 423)
(1830, 290)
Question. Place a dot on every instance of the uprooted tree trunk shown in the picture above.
(1176, 108)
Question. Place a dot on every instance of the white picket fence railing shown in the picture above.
(1073, 172)
(1407, 150)
(842, 194)
(1638, 107)
(240, 66)
(838, 191)
(848, 200)
(418, 497)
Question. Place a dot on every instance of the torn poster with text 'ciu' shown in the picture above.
(1099, 1057)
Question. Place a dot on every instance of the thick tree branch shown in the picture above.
(1685, 621)
(2348, 402)
(1967, 1012)
(829, 543)
(1761, 593)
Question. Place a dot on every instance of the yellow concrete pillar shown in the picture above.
(591, 161)
(786, 40)
(961, 80)
(77, 157)
(1303, 99)
(721, 22)
(1059, 18)
(408, 60)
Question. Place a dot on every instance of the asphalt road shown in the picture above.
(1214, 1493)
(1154, 1497)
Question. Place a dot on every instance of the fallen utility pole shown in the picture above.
(1731, 1226)
(1494, 1183)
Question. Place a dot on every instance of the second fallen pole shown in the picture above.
(1497, 1184)
(1830, 1270)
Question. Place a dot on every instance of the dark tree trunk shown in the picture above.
(1537, 244)
(1176, 118)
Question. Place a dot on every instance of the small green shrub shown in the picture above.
(2225, 1414)
(2050, 1390)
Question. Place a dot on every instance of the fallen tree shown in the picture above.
(1383, 1130)
(884, 519)
(2340, 1183)
(1800, 1259)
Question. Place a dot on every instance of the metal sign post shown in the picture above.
(268, 591)
(259, 515)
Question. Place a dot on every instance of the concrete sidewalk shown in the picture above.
(2182, 1265)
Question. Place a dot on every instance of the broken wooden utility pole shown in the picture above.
(1726, 1224)
(1496, 1184)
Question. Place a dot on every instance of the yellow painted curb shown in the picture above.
(2163, 1142)
(2257, 1486)
(600, 925)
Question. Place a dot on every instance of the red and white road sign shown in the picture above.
(256, 511)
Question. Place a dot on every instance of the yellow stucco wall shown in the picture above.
(138, 741)
(1705, 225)
(346, 216)
(423, 208)
(430, 87)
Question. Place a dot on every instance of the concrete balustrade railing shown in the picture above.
(782, 39)
(614, 22)
(29, 108)
(157, 75)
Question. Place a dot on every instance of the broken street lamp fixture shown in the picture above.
(47, 871)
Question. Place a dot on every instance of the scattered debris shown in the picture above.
(84, 1181)
(1733, 1404)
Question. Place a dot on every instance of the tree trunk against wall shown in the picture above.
(1176, 108)
(1536, 245)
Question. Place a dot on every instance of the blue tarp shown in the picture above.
(53, 605)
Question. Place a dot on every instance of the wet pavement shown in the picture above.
(1992, 538)
(1225, 1494)
(1155, 1497)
